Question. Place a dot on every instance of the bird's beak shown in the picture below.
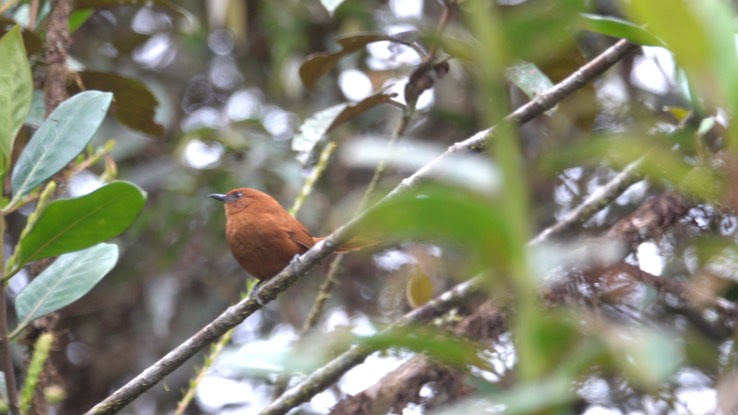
(218, 196)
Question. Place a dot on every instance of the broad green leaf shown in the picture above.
(619, 28)
(16, 93)
(66, 280)
(61, 137)
(68, 225)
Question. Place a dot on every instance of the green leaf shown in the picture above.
(68, 225)
(16, 93)
(619, 28)
(62, 136)
(66, 280)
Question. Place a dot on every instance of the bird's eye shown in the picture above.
(237, 195)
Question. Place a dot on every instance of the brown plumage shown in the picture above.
(263, 237)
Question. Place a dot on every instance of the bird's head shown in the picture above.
(237, 200)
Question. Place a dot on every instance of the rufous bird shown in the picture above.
(263, 237)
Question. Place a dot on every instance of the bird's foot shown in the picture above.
(254, 293)
(295, 263)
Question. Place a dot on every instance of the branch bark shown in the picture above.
(57, 47)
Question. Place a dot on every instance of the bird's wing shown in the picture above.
(301, 236)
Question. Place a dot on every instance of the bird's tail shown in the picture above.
(352, 245)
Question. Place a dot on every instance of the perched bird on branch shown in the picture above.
(263, 237)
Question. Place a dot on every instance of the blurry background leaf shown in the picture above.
(535, 30)
(263, 358)
(419, 289)
(474, 172)
(319, 64)
(709, 58)
(619, 28)
(449, 350)
(62, 136)
(31, 41)
(78, 18)
(71, 224)
(315, 127)
(661, 161)
(648, 356)
(101, 4)
(469, 221)
(528, 78)
(67, 279)
(134, 105)
(321, 123)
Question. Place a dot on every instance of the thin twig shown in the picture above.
(596, 201)
(307, 187)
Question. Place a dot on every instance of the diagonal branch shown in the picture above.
(234, 315)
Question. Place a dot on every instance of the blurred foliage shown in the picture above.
(206, 96)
